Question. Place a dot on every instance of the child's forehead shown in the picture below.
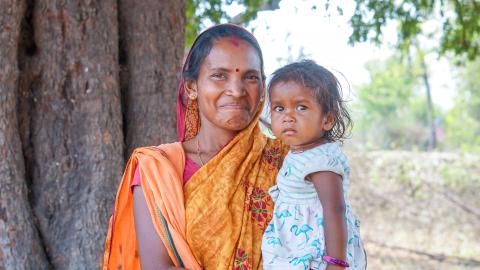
(291, 91)
(291, 85)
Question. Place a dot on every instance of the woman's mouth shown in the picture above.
(233, 106)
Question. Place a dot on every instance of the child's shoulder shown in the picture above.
(328, 152)
(329, 149)
(330, 155)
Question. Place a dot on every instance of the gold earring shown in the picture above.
(192, 95)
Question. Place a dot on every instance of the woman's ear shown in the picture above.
(328, 121)
(191, 89)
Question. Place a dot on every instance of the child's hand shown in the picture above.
(334, 267)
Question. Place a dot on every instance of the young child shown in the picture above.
(313, 226)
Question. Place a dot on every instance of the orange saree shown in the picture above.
(165, 202)
(217, 219)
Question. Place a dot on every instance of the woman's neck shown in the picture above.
(211, 139)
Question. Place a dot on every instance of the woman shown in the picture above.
(201, 203)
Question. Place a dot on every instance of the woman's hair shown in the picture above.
(326, 88)
(204, 43)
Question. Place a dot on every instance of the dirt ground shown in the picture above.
(418, 210)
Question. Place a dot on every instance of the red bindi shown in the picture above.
(237, 70)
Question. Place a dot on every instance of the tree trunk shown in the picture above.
(20, 245)
(432, 138)
(72, 125)
(59, 76)
(151, 45)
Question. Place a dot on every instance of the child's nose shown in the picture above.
(288, 118)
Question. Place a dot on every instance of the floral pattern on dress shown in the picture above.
(241, 260)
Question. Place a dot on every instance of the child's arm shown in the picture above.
(330, 192)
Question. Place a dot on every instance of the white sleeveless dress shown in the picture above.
(294, 239)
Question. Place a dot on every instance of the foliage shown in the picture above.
(199, 11)
(392, 109)
(460, 22)
(463, 120)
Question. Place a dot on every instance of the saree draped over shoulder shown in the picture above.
(227, 205)
(216, 220)
(161, 170)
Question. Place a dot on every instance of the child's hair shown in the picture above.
(326, 88)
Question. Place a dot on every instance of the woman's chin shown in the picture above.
(237, 123)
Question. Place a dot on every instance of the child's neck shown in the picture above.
(304, 147)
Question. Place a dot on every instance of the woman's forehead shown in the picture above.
(232, 53)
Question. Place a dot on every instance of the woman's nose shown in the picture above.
(236, 88)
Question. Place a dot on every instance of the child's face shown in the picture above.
(297, 118)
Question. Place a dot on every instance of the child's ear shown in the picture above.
(328, 121)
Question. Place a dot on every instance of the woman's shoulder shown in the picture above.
(171, 151)
(164, 155)
(174, 146)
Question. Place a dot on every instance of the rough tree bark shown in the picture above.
(20, 246)
(59, 76)
(71, 125)
(150, 48)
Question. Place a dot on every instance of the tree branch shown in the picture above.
(268, 5)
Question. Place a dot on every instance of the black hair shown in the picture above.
(204, 43)
(326, 88)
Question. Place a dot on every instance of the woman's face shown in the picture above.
(229, 85)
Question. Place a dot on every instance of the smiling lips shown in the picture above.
(233, 106)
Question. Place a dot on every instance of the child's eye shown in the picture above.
(278, 109)
(301, 107)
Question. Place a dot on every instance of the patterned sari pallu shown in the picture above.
(227, 204)
(216, 220)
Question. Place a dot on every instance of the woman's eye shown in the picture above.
(218, 75)
(278, 108)
(301, 107)
(253, 78)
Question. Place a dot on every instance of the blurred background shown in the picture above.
(415, 101)
(82, 83)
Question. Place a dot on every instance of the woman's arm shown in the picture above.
(330, 192)
(152, 252)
